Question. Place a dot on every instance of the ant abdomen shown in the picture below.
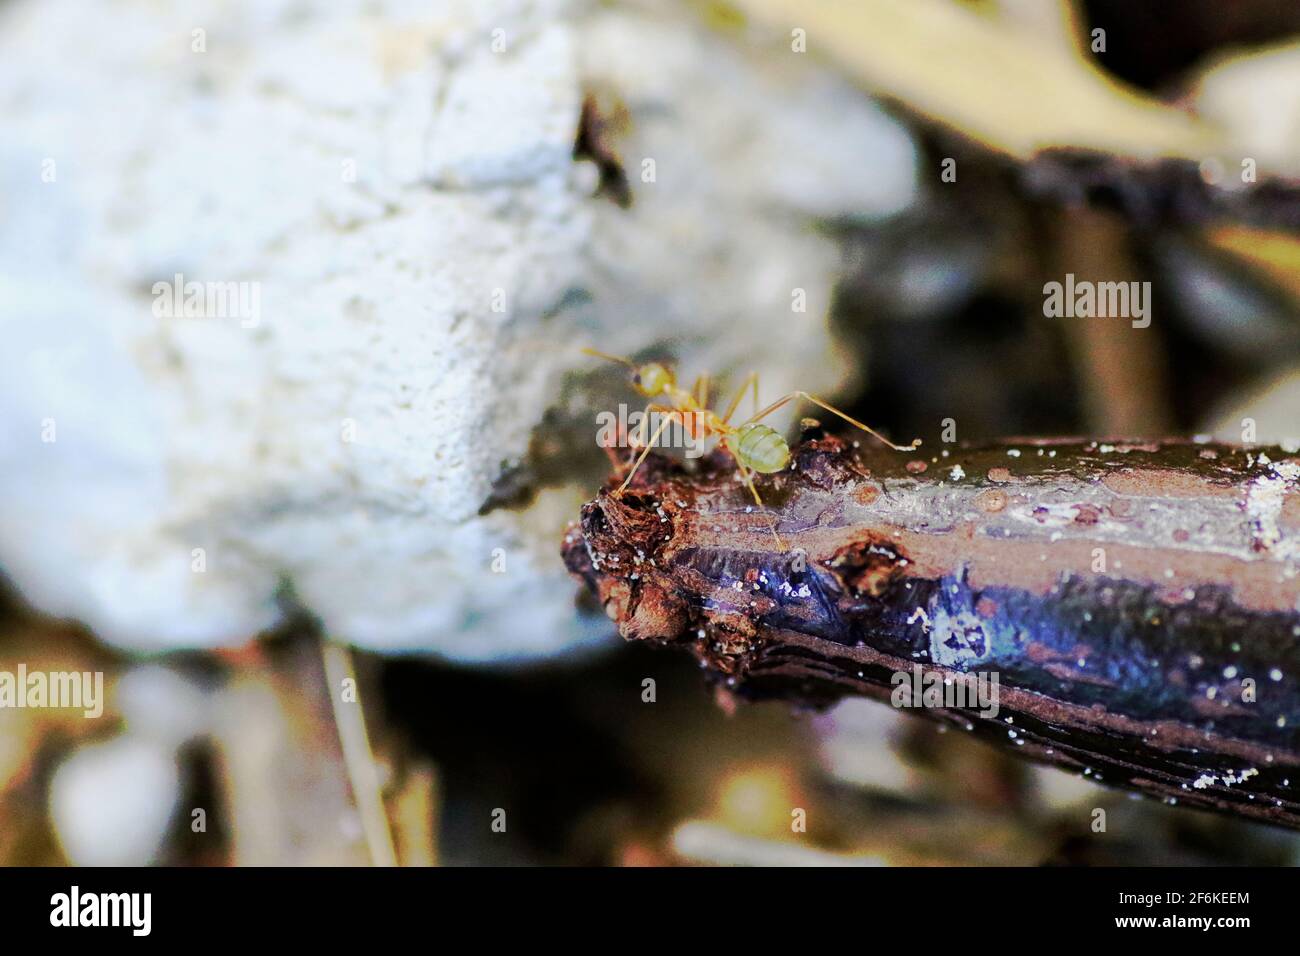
(760, 448)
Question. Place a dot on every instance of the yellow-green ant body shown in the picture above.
(760, 447)
(754, 446)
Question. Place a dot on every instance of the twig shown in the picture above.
(357, 756)
(1137, 602)
(1166, 192)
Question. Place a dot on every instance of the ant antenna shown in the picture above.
(612, 358)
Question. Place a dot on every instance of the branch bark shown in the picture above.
(1168, 192)
(1138, 602)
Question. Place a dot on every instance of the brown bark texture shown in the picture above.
(1138, 602)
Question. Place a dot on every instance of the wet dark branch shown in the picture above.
(1136, 603)
(1168, 192)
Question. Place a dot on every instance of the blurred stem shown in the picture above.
(358, 758)
(1121, 370)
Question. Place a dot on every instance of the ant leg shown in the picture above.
(695, 419)
(639, 441)
(700, 390)
(641, 429)
(751, 381)
(644, 452)
(834, 411)
(633, 442)
(748, 479)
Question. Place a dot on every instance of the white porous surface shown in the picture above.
(394, 185)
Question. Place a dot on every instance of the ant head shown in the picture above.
(653, 379)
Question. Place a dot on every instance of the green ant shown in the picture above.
(755, 447)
